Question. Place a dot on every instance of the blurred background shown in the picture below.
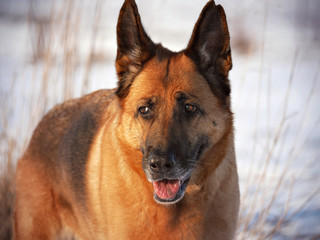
(53, 50)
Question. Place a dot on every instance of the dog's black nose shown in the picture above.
(161, 164)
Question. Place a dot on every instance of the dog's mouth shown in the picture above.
(170, 191)
(170, 188)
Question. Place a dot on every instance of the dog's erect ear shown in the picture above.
(209, 46)
(134, 46)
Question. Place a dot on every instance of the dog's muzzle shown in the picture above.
(169, 178)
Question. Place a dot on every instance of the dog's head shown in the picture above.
(175, 104)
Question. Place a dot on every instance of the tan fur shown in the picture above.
(113, 199)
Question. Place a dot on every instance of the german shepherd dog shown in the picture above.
(152, 159)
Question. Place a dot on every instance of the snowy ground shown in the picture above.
(275, 88)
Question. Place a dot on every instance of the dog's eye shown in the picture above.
(144, 110)
(190, 108)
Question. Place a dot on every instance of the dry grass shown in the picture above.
(7, 195)
(257, 217)
(55, 76)
(47, 64)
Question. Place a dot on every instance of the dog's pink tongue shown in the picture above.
(166, 189)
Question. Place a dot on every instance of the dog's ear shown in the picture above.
(134, 46)
(209, 46)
